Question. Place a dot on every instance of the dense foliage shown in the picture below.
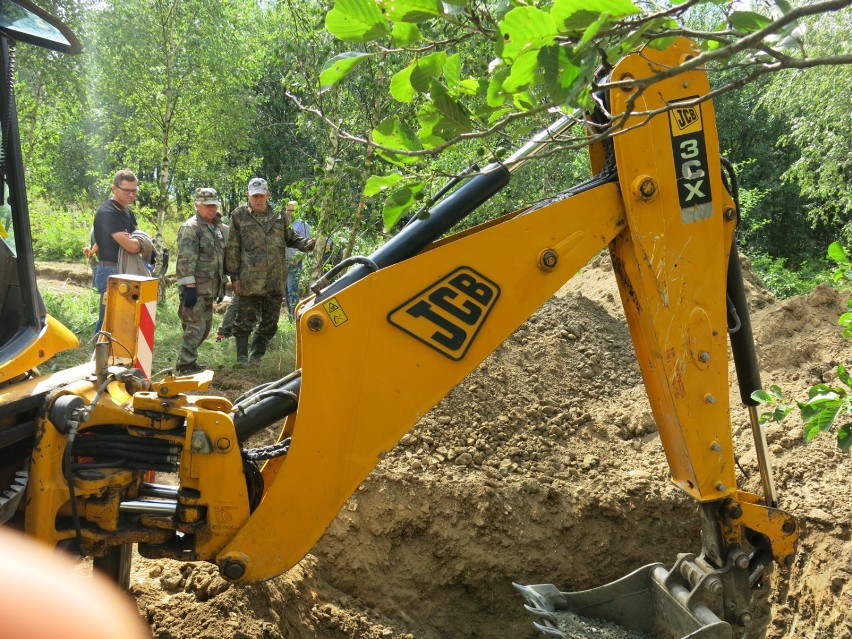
(363, 109)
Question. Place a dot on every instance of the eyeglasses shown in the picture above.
(130, 191)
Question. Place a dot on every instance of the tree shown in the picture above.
(816, 104)
(172, 79)
(53, 107)
(544, 55)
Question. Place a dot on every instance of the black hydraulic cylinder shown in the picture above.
(421, 232)
(416, 236)
(740, 333)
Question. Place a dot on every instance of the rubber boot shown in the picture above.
(242, 350)
(258, 347)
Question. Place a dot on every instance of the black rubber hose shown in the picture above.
(742, 339)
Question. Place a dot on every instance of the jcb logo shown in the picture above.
(684, 117)
(448, 315)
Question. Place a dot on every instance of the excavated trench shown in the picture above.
(542, 466)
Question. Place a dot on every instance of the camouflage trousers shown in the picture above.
(196, 327)
(227, 326)
(253, 308)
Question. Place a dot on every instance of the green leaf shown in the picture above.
(558, 72)
(427, 69)
(400, 85)
(820, 422)
(452, 70)
(339, 67)
(395, 134)
(780, 413)
(398, 202)
(577, 15)
(761, 396)
(777, 391)
(411, 10)
(454, 113)
(379, 183)
(838, 253)
(356, 21)
(499, 113)
(592, 30)
(496, 96)
(784, 6)
(748, 21)
(844, 437)
(468, 86)
(524, 101)
(442, 119)
(523, 74)
(524, 29)
(405, 34)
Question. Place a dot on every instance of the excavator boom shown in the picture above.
(380, 346)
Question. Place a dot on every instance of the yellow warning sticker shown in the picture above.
(335, 312)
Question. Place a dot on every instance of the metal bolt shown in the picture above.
(704, 356)
(715, 447)
(549, 259)
(717, 588)
(197, 443)
(721, 487)
(626, 78)
(788, 527)
(233, 569)
(735, 511)
(709, 399)
(741, 562)
(744, 619)
(223, 444)
(730, 214)
(315, 323)
(647, 188)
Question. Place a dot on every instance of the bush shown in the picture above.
(784, 282)
(58, 235)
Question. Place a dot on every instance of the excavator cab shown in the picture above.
(28, 336)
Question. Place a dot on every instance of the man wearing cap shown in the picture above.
(255, 260)
(200, 276)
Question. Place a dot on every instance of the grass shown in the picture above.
(80, 312)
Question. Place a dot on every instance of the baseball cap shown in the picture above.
(207, 196)
(257, 185)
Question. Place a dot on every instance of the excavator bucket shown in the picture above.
(651, 602)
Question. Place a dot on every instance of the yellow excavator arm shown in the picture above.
(380, 346)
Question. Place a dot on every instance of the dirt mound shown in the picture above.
(542, 466)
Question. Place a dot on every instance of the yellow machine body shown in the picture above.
(376, 355)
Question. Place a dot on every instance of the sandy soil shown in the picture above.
(542, 466)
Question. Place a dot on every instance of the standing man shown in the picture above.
(227, 325)
(200, 276)
(255, 260)
(114, 222)
(294, 258)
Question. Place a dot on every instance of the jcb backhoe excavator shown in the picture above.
(381, 345)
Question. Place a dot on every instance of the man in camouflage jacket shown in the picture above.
(255, 260)
(200, 276)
